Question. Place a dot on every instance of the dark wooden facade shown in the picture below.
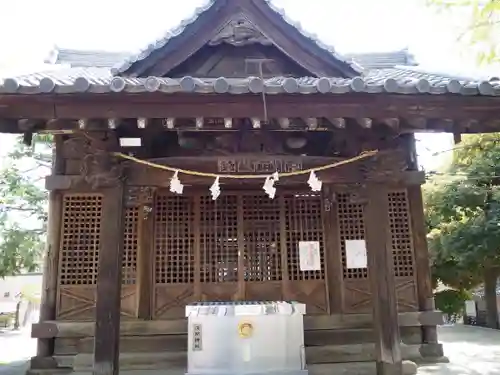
(112, 219)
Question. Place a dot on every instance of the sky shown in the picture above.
(31, 28)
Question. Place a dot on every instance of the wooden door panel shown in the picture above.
(169, 301)
(312, 293)
(241, 246)
(220, 292)
(264, 291)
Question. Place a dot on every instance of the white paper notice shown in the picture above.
(470, 308)
(355, 251)
(309, 256)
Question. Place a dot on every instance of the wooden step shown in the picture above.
(314, 355)
(353, 368)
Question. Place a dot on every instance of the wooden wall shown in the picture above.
(191, 243)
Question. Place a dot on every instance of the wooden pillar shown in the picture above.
(109, 280)
(143, 198)
(423, 268)
(333, 255)
(48, 303)
(381, 273)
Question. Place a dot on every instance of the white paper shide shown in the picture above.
(355, 251)
(309, 256)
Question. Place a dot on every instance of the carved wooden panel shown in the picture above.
(79, 257)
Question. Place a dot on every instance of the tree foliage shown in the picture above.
(463, 215)
(482, 31)
(23, 206)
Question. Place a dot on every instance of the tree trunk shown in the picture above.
(16, 318)
(490, 295)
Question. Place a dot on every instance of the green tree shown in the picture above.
(23, 206)
(463, 215)
(482, 28)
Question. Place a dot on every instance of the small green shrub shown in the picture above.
(452, 302)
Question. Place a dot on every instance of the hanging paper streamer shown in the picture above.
(215, 189)
(175, 184)
(314, 182)
(269, 187)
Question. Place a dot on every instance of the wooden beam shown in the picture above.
(67, 329)
(107, 318)
(48, 303)
(481, 109)
(425, 294)
(154, 177)
(144, 256)
(381, 274)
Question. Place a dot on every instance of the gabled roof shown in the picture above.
(192, 34)
(400, 80)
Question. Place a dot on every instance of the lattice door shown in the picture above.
(262, 247)
(304, 222)
(243, 246)
(357, 291)
(79, 257)
(174, 255)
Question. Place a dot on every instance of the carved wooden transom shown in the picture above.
(239, 31)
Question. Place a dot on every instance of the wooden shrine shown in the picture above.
(236, 90)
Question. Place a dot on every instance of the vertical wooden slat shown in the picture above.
(197, 247)
(48, 303)
(382, 280)
(107, 319)
(333, 256)
(283, 249)
(241, 248)
(145, 263)
(421, 253)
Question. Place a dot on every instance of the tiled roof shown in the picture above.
(161, 42)
(380, 60)
(88, 58)
(402, 80)
(106, 59)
